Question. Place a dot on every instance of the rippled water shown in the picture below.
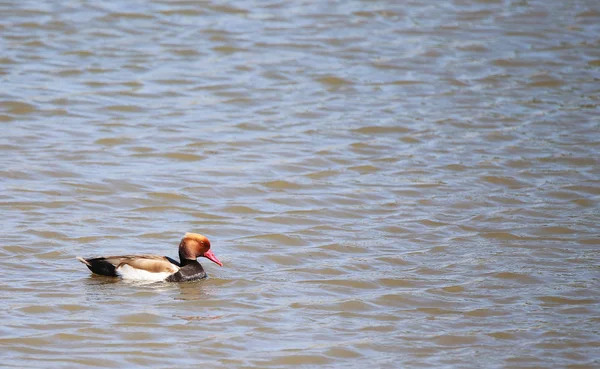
(389, 184)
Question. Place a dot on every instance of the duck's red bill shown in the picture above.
(210, 256)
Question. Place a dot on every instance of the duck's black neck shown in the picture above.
(190, 270)
(183, 261)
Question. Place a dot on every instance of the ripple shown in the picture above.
(177, 156)
(382, 130)
(17, 107)
(518, 277)
(282, 185)
(112, 141)
(554, 300)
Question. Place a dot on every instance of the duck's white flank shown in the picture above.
(128, 272)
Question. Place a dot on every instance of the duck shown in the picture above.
(157, 268)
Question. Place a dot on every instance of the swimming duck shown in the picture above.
(158, 268)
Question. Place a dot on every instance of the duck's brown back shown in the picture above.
(107, 265)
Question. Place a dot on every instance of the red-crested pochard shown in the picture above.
(158, 268)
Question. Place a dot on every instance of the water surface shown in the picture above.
(411, 184)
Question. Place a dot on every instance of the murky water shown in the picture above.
(389, 184)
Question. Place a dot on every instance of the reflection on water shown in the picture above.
(388, 184)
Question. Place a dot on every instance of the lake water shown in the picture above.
(388, 184)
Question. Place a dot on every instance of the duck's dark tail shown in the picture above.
(99, 266)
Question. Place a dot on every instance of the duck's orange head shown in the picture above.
(194, 245)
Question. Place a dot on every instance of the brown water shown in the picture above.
(389, 184)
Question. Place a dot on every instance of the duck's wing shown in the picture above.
(143, 267)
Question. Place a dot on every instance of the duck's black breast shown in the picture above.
(191, 271)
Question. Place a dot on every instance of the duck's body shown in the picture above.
(158, 268)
